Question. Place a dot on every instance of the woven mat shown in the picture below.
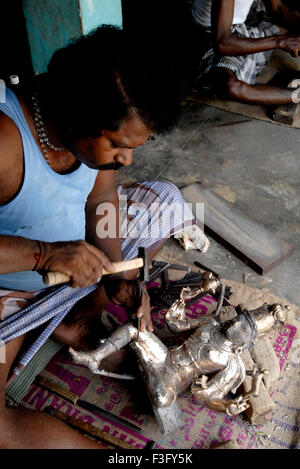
(200, 427)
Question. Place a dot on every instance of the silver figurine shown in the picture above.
(213, 348)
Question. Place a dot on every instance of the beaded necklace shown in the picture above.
(41, 132)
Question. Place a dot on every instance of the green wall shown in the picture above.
(52, 24)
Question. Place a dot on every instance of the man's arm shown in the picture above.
(104, 192)
(284, 13)
(226, 43)
(16, 253)
(81, 261)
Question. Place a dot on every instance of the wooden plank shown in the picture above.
(251, 242)
(90, 430)
(52, 386)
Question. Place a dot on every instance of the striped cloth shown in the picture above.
(18, 385)
(146, 204)
(149, 212)
(246, 67)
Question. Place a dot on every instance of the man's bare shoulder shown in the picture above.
(11, 159)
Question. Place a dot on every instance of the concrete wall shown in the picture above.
(52, 24)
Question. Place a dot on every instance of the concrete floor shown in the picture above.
(251, 163)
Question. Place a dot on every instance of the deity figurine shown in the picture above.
(209, 360)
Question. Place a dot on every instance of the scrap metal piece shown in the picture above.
(251, 242)
(206, 282)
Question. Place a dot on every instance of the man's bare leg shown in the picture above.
(226, 85)
(27, 429)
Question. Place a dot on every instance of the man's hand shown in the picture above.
(291, 44)
(143, 312)
(78, 259)
(133, 296)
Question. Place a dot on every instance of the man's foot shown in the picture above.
(295, 85)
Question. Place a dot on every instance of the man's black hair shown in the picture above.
(105, 77)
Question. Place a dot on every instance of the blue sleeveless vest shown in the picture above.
(49, 206)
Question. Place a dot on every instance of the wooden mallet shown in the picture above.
(141, 262)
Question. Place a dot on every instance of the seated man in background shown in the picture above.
(61, 140)
(240, 37)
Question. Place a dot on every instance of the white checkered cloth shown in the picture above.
(149, 226)
(246, 67)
